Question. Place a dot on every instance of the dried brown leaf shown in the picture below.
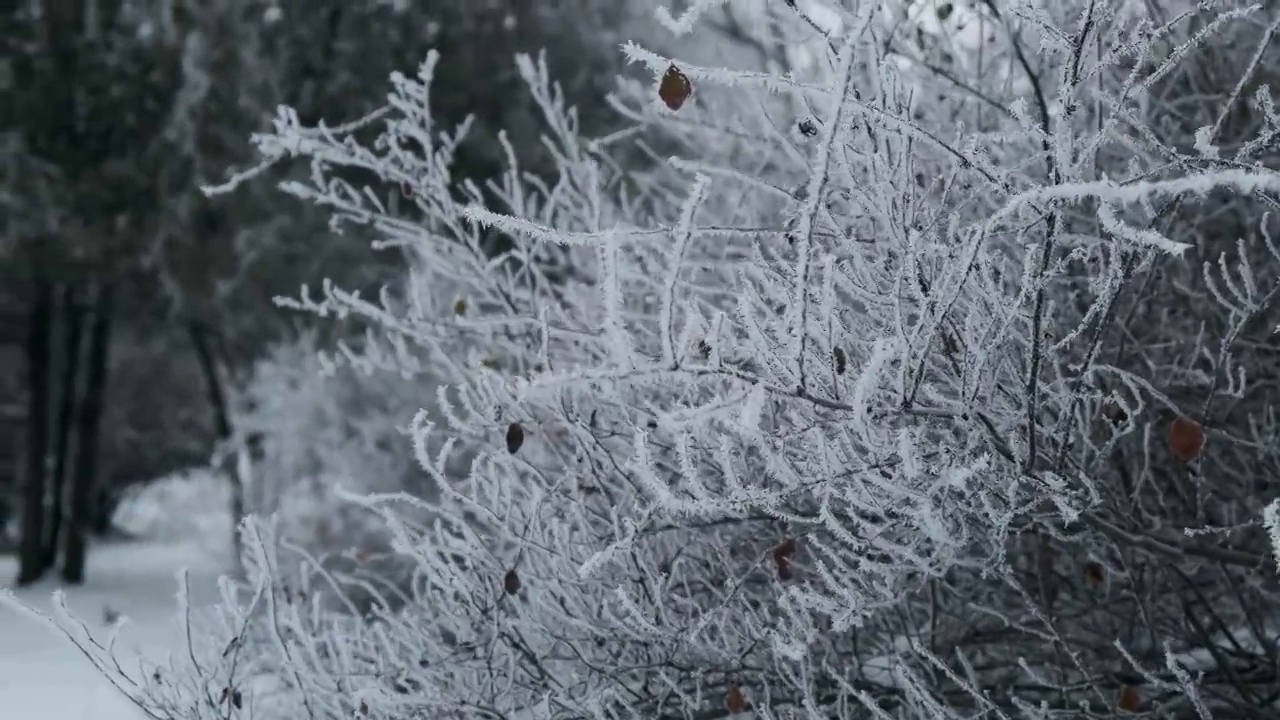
(734, 700)
(515, 438)
(1093, 574)
(511, 582)
(1130, 699)
(675, 88)
(1186, 438)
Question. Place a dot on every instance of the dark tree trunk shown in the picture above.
(105, 502)
(80, 502)
(201, 341)
(35, 485)
(68, 388)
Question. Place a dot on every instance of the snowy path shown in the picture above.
(44, 677)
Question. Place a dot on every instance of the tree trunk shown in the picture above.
(105, 502)
(79, 519)
(200, 340)
(68, 387)
(35, 485)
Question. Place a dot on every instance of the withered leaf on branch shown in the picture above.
(675, 88)
(1093, 574)
(785, 549)
(233, 696)
(515, 438)
(734, 700)
(1186, 438)
(511, 582)
(1130, 699)
(782, 554)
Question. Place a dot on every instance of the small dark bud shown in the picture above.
(511, 582)
(515, 438)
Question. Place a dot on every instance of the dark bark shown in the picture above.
(201, 340)
(105, 502)
(68, 389)
(35, 485)
(82, 488)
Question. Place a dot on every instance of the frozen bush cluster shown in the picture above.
(313, 428)
(182, 507)
(811, 398)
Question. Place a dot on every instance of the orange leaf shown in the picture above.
(1129, 699)
(675, 88)
(734, 699)
(1186, 438)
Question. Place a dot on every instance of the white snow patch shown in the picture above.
(44, 677)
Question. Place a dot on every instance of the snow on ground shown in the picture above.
(44, 677)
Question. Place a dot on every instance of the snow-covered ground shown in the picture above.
(44, 677)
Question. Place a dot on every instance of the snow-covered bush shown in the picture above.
(319, 431)
(311, 429)
(181, 507)
(801, 422)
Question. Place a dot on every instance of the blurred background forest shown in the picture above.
(138, 329)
